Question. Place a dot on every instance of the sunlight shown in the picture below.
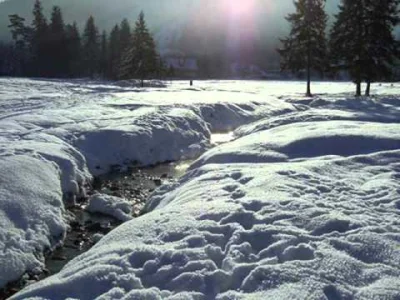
(240, 10)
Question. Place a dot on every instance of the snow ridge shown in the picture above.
(304, 204)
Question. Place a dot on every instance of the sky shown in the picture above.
(242, 15)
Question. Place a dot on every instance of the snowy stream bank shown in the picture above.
(304, 204)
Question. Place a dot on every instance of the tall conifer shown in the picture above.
(140, 59)
(39, 42)
(90, 48)
(114, 53)
(305, 48)
(103, 54)
(383, 49)
(74, 50)
(58, 44)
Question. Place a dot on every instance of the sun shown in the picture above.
(239, 9)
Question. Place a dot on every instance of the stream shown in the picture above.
(88, 228)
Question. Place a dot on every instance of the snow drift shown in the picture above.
(302, 205)
(58, 134)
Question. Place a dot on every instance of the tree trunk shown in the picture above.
(308, 94)
(358, 93)
(141, 82)
(308, 52)
(368, 89)
(308, 84)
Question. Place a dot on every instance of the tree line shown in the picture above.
(361, 41)
(55, 49)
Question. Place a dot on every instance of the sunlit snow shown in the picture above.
(291, 197)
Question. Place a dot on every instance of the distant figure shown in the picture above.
(191, 82)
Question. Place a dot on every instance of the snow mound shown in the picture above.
(316, 115)
(306, 139)
(320, 228)
(70, 163)
(302, 205)
(31, 214)
(82, 128)
(149, 136)
(37, 171)
(112, 206)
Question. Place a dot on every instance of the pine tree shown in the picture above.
(74, 50)
(382, 48)
(305, 47)
(91, 48)
(140, 58)
(39, 42)
(58, 44)
(348, 41)
(114, 53)
(6, 59)
(22, 36)
(125, 34)
(103, 54)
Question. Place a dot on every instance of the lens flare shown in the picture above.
(240, 9)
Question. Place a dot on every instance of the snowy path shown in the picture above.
(304, 204)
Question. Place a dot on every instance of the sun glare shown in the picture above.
(240, 8)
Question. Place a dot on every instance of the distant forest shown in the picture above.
(360, 45)
(51, 48)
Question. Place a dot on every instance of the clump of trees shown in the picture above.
(361, 41)
(55, 49)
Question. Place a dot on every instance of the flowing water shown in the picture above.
(87, 228)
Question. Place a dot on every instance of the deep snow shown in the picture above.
(303, 204)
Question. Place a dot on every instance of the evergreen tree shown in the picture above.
(21, 35)
(305, 47)
(91, 48)
(74, 50)
(140, 58)
(125, 34)
(382, 48)
(6, 59)
(39, 42)
(348, 41)
(103, 54)
(114, 53)
(58, 44)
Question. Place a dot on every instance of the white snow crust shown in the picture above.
(112, 206)
(303, 204)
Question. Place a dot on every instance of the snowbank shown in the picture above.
(319, 228)
(111, 206)
(237, 226)
(303, 205)
(31, 214)
(307, 139)
(149, 136)
(79, 128)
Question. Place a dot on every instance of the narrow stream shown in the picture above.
(87, 228)
(134, 186)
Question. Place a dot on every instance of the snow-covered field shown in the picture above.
(303, 204)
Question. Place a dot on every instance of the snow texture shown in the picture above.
(68, 131)
(112, 206)
(303, 204)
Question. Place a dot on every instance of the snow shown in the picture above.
(300, 202)
(31, 214)
(112, 206)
